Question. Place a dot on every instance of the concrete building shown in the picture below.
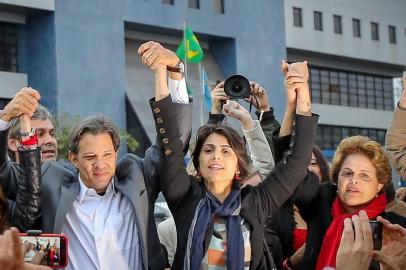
(82, 55)
(355, 49)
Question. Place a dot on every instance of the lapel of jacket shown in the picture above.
(134, 189)
(68, 195)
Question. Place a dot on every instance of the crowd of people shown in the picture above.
(265, 200)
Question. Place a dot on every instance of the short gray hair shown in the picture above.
(96, 124)
(41, 113)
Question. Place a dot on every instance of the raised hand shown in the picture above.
(235, 110)
(355, 251)
(154, 55)
(218, 97)
(392, 256)
(297, 77)
(24, 102)
(259, 97)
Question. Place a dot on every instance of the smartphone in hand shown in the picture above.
(46, 249)
(377, 229)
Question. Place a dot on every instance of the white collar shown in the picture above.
(86, 190)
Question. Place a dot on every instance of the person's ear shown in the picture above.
(379, 188)
(73, 158)
(13, 144)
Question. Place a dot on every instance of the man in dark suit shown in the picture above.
(107, 214)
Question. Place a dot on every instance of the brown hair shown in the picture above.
(233, 138)
(96, 124)
(362, 145)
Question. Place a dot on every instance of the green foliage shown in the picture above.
(64, 125)
(132, 142)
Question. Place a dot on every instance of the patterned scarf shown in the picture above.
(229, 210)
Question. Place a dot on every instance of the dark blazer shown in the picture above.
(183, 192)
(137, 178)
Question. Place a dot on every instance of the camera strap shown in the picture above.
(251, 103)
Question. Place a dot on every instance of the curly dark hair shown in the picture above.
(233, 138)
(322, 163)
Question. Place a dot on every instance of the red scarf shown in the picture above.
(332, 238)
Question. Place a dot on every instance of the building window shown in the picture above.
(218, 6)
(374, 31)
(194, 4)
(318, 21)
(351, 89)
(297, 17)
(356, 27)
(392, 34)
(328, 137)
(168, 2)
(338, 25)
(8, 47)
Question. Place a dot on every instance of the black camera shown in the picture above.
(237, 86)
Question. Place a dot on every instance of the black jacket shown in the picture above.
(25, 209)
(183, 192)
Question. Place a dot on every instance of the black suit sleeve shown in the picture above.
(288, 174)
(27, 208)
(175, 181)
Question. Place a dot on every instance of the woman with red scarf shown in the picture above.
(360, 170)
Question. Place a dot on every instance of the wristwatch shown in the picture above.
(179, 68)
(30, 133)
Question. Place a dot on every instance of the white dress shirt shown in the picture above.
(3, 124)
(178, 91)
(102, 231)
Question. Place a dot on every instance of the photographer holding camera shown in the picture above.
(238, 87)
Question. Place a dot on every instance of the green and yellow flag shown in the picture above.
(192, 49)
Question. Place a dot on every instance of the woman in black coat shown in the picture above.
(217, 222)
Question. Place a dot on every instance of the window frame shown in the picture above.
(318, 20)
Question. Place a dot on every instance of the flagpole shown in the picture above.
(184, 38)
(201, 94)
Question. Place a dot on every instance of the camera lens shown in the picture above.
(237, 86)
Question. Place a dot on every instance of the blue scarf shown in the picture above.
(230, 211)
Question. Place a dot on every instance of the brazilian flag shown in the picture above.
(190, 48)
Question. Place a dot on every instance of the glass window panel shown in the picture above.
(218, 6)
(371, 102)
(374, 31)
(356, 27)
(335, 98)
(344, 99)
(392, 34)
(8, 47)
(338, 26)
(318, 21)
(194, 4)
(297, 17)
